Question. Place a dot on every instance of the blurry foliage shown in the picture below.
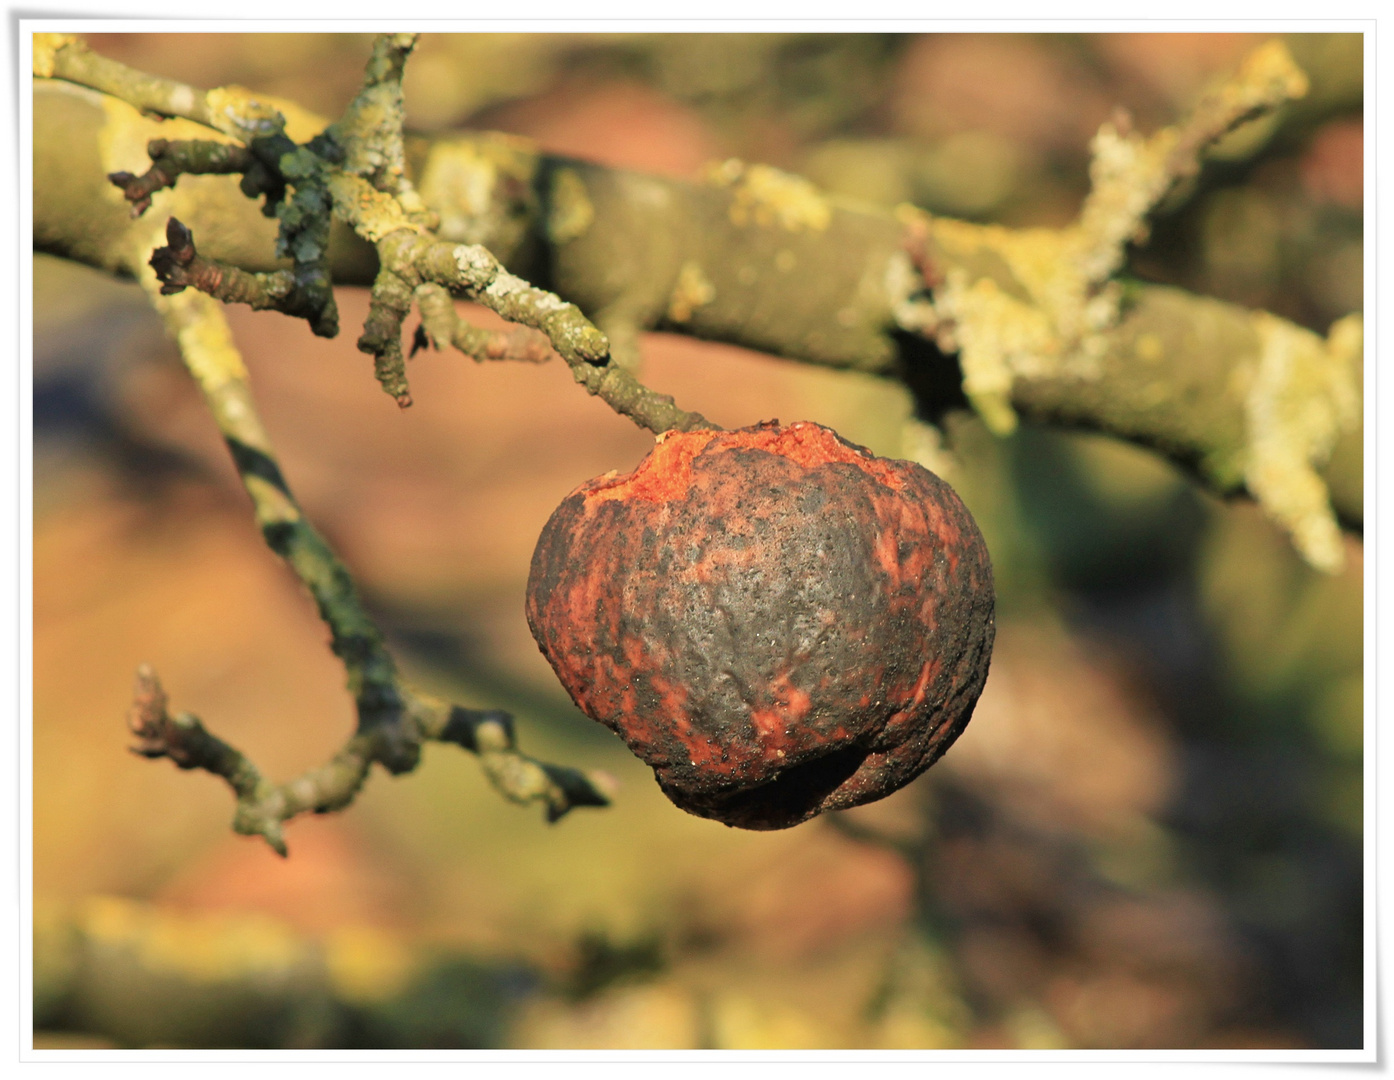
(601, 962)
(1150, 835)
(147, 976)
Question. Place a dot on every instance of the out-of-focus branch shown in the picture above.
(1130, 175)
(1056, 310)
(1032, 312)
(393, 719)
(146, 975)
(231, 110)
(763, 260)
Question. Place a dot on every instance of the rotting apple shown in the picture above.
(774, 619)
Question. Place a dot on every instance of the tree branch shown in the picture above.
(1031, 312)
(440, 322)
(393, 719)
(356, 171)
(170, 160)
(760, 259)
(179, 266)
(231, 110)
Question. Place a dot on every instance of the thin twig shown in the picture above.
(441, 322)
(1131, 174)
(179, 266)
(413, 256)
(172, 158)
(393, 719)
(231, 109)
(356, 170)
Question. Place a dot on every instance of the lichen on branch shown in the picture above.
(393, 719)
(1056, 318)
(747, 258)
(370, 131)
(1025, 309)
(267, 161)
(440, 322)
(232, 110)
(1301, 397)
(372, 192)
(356, 171)
(1130, 175)
(410, 256)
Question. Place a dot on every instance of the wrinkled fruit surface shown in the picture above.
(777, 621)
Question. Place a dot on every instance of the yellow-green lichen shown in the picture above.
(467, 181)
(370, 130)
(571, 212)
(1038, 302)
(263, 113)
(1303, 394)
(692, 290)
(1269, 75)
(237, 111)
(765, 196)
(1128, 175)
(211, 948)
(45, 47)
(205, 339)
(904, 287)
(996, 334)
(372, 213)
(1042, 319)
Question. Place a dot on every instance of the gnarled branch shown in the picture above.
(763, 260)
(393, 718)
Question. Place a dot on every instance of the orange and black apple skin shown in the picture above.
(777, 621)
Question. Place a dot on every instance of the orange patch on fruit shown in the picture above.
(776, 633)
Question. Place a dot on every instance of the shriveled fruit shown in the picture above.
(777, 621)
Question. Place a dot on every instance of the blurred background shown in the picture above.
(1149, 836)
